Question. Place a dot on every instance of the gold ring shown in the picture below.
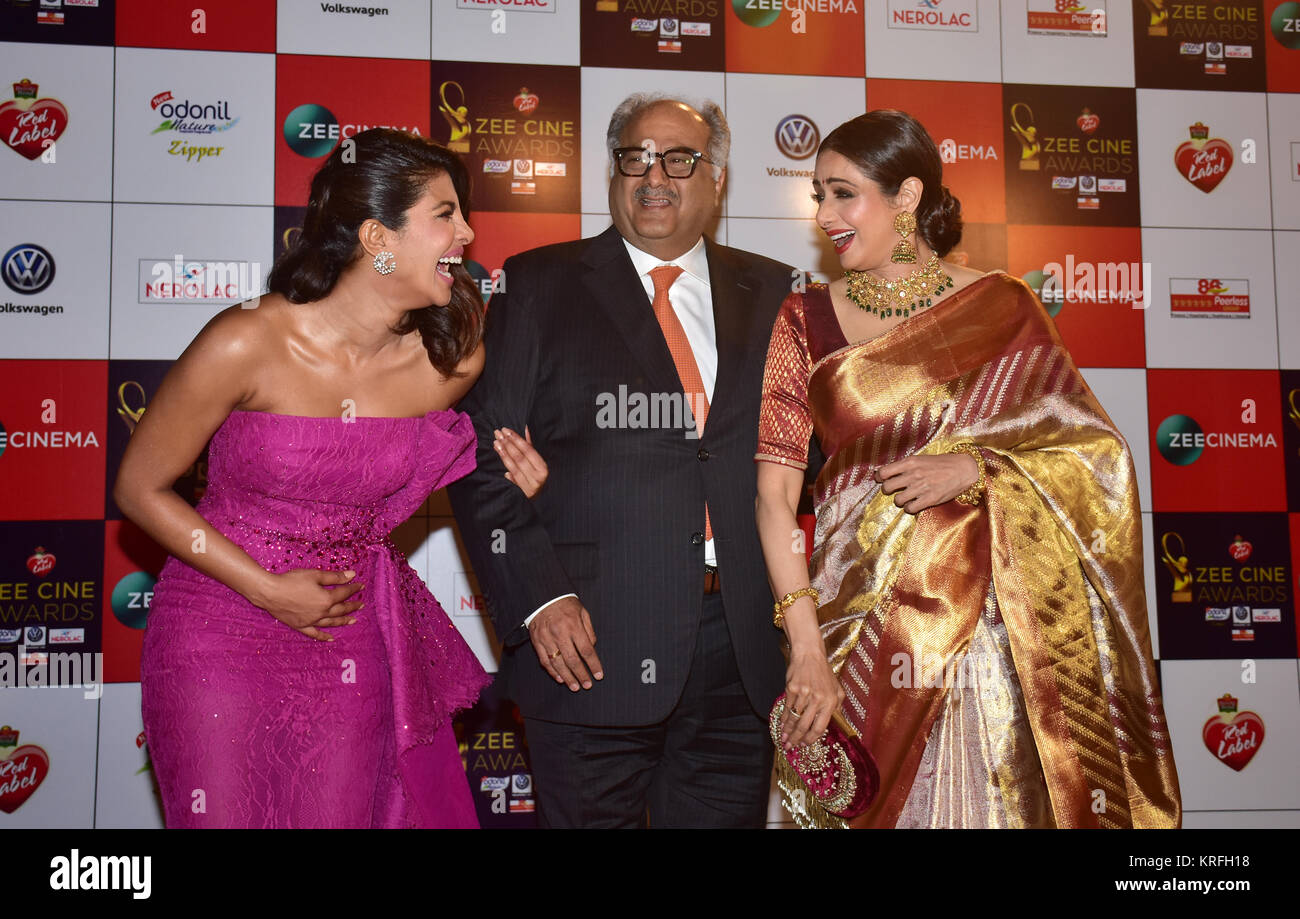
(555, 654)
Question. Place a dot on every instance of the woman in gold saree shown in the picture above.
(979, 619)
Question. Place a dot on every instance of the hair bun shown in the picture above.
(942, 225)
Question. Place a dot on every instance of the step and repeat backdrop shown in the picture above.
(1138, 163)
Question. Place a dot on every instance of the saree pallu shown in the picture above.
(996, 659)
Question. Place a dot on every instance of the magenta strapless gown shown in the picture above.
(252, 724)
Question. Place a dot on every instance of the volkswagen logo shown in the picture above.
(27, 268)
(797, 137)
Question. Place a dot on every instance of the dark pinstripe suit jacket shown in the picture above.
(618, 519)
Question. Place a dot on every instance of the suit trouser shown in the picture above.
(708, 764)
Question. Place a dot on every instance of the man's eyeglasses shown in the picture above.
(678, 163)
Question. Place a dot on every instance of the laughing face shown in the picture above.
(433, 239)
(655, 213)
(854, 213)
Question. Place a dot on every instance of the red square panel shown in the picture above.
(52, 434)
(231, 25)
(1095, 279)
(965, 121)
(1216, 440)
(321, 100)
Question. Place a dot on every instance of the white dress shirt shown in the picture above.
(692, 301)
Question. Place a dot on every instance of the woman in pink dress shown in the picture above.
(296, 672)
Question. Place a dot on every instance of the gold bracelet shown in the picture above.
(971, 496)
(778, 610)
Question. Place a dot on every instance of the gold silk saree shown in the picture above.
(996, 659)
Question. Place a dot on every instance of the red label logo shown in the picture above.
(40, 562)
(1203, 160)
(526, 102)
(1088, 122)
(1233, 737)
(20, 775)
(1240, 549)
(29, 124)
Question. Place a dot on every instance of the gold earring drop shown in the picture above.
(904, 252)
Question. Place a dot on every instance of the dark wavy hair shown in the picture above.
(888, 146)
(380, 175)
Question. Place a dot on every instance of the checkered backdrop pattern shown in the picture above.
(1136, 162)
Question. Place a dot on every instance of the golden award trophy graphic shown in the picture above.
(130, 416)
(1293, 411)
(1027, 134)
(457, 118)
(1178, 566)
(1158, 25)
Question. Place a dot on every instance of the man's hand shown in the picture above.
(564, 641)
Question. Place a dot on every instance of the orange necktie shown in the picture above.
(688, 372)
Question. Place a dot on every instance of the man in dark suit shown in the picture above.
(642, 543)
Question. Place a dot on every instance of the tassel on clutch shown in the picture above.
(827, 782)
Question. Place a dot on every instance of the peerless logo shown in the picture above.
(797, 136)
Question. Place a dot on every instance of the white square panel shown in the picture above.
(915, 40)
(602, 90)
(1193, 322)
(447, 573)
(1284, 153)
(1079, 58)
(1286, 262)
(60, 724)
(73, 107)
(1241, 820)
(1191, 690)
(1166, 153)
(196, 126)
(394, 30)
(126, 793)
(799, 243)
(53, 265)
(777, 123)
(539, 32)
(1122, 392)
(223, 253)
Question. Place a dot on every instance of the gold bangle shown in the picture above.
(971, 496)
(778, 610)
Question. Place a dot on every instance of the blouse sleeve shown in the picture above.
(785, 421)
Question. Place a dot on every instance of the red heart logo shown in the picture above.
(1206, 167)
(1088, 123)
(20, 775)
(1240, 550)
(27, 131)
(41, 562)
(1235, 742)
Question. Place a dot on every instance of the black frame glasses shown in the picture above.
(647, 158)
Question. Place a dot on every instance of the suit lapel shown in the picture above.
(734, 294)
(611, 281)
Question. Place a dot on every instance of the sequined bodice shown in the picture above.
(296, 491)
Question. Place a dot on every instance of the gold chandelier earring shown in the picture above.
(904, 252)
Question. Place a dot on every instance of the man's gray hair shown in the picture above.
(719, 147)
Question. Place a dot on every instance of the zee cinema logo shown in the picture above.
(1181, 440)
(311, 130)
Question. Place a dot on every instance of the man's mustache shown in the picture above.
(646, 191)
